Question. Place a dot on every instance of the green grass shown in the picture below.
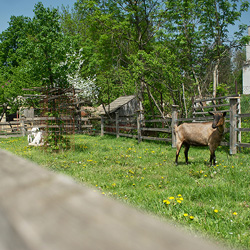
(213, 200)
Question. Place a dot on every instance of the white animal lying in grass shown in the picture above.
(36, 137)
(31, 136)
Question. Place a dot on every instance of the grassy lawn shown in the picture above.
(212, 200)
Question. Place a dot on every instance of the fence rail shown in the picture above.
(42, 210)
(218, 103)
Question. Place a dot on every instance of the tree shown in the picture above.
(199, 32)
(11, 86)
(86, 89)
(121, 32)
(124, 44)
(45, 47)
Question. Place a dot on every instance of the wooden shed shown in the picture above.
(124, 105)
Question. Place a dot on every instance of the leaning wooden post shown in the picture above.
(139, 126)
(174, 122)
(233, 125)
(117, 124)
(102, 125)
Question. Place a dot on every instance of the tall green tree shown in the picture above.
(45, 48)
(11, 85)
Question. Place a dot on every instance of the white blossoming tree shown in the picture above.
(86, 89)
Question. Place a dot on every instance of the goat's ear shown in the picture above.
(224, 114)
(211, 113)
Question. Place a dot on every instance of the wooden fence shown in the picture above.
(12, 129)
(23, 126)
(202, 106)
(42, 210)
(163, 129)
(150, 129)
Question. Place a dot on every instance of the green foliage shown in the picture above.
(162, 51)
(12, 83)
(198, 32)
(56, 142)
(44, 48)
(212, 200)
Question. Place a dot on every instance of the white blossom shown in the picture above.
(86, 89)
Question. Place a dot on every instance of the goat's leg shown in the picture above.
(212, 149)
(187, 146)
(212, 158)
(178, 148)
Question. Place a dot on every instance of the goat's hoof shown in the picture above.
(187, 163)
(176, 163)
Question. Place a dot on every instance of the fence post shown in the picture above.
(174, 122)
(233, 125)
(139, 126)
(117, 124)
(22, 126)
(102, 125)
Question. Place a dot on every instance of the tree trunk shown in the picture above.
(215, 79)
(4, 110)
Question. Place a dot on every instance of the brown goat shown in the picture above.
(200, 134)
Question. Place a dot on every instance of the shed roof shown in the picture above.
(116, 104)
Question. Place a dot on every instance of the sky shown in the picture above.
(10, 8)
(25, 8)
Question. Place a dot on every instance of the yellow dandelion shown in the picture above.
(167, 202)
(235, 213)
(185, 215)
(191, 217)
(179, 201)
(216, 210)
(171, 198)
